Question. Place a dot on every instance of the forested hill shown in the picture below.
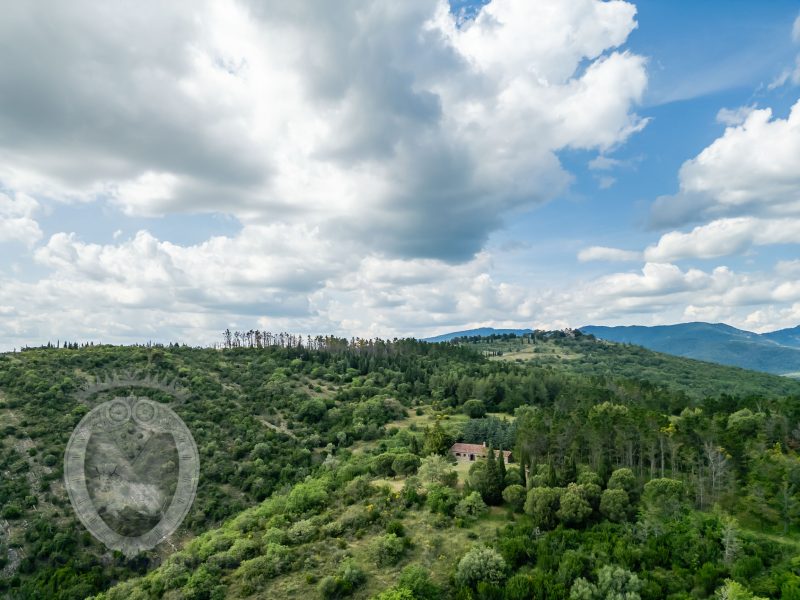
(777, 352)
(581, 354)
(325, 473)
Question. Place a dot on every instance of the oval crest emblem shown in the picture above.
(131, 470)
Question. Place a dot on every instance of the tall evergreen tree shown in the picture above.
(523, 469)
(437, 440)
(501, 469)
(568, 471)
(494, 486)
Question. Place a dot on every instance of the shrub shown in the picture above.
(397, 593)
(305, 496)
(442, 499)
(388, 549)
(520, 587)
(481, 564)
(472, 506)
(355, 517)
(300, 532)
(412, 492)
(347, 579)
(612, 582)
(358, 489)
(416, 579)
(513, 476)
(11, 511)
(517, 550)
(474, 409)
(382, 464)
(254, 573)
(437, 469)
(396, 527)
(405, 464)
(328, 588)
(514, 495)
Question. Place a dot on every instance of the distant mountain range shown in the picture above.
(482, 331)
(776, 352)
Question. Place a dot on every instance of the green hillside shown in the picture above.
(325, 474)
(585, 355)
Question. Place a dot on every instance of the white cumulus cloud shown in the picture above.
(752, 169)
(604, 253)
(375, 120)
(16, 219)
(724, 237)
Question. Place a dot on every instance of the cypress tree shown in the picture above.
(413, 445)
(494, 489)
(501, 469)
(569, 471)
(523, 468)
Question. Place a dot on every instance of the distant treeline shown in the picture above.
(525, 338)
(65, 345)
(255, 338)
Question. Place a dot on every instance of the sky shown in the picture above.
(374, 168)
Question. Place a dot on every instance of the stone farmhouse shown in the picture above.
(472, 452)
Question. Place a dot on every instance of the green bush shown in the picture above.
(305, 496)
(417, 579)
(471, 507)
(612, 582)
(396, 527)
(254, 573)
(405, 464)
(382, 464)
(11, 511)
(348, 578)
(388, 549)
(474, 409)
(515, 495)
(442, 499)
(481, 564)
(301, 531)
(520, 587)
(437, 469)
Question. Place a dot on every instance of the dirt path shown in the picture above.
(279, 428)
